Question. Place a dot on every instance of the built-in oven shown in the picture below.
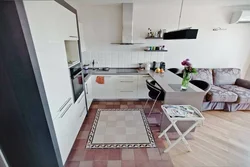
(77, 80)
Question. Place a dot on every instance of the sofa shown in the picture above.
(228, 92)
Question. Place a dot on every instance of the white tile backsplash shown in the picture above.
(120, 59)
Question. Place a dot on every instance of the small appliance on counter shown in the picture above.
(141, 67)
(153, 66)
(147, 66)
(162, 65)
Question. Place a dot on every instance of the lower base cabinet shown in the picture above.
(120, 87)
(68, 124)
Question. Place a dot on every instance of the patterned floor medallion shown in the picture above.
(120, 128)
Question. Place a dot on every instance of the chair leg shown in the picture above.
(152, 107)
(145, 104)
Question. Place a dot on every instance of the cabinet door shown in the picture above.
(126, 86)
(47, 35)
(83, 46)
(70, 24)
(106, 90)
(61, 125)
(142, 87)
(89, 93)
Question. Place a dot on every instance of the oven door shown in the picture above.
(77, 82)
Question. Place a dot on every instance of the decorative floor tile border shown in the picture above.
(90, 144)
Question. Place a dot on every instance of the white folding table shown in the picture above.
(196, 117)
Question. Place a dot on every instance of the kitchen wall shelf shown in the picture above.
(156, 50)
(153, 38)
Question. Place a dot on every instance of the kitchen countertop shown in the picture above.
(167, 80)
(115, 71)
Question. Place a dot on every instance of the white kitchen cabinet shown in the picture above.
(83, 46)
(106, 90)
(126, 86)
(61, 125)
(70, 24)
(51, 24)
(142, 92)
(76, 118)
(47, 33)
(89, 92)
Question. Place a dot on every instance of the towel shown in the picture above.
(100, 79)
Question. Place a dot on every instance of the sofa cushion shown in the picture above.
(226, 76)
(203, 74)
(243, 93)
(218, 94)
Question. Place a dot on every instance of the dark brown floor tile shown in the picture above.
(89, 155)
(141, 155)
(110, 103)
(109, 106)
(115, 154)
(116, 106)
(101, 106)
(130, 102)
(101, 154)
(131, 106)
(80, 144)
(128, 163)
(72, 164)
(124, 106)
(100, 164)
(124, 102)
(142, 164)
(83, 135)
(86, 127)
(116, 103)
(76, 155)
(86, 164)
(138, 106)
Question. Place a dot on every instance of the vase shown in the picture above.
(185, 80)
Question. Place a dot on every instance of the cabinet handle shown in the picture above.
(64, 104)
(127, 91)
(65, 111)
(73, 36)
(87, 91)
(80, 99)
(126, 81)
(146, 76)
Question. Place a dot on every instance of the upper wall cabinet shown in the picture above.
(69, 21)
(83, 46)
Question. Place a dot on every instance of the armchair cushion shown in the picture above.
(243, 93)
(203, 74)
(243, 83)
(226, 76)
(218, 94)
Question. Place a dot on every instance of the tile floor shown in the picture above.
(142, 157)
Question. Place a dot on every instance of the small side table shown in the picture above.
(195, 117)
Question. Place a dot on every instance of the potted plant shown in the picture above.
(187, 71)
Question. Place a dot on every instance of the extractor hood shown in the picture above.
(127, 24)
(187, 33)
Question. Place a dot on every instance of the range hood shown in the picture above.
(127, 24)
(187, 33)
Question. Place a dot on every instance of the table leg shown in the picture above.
(181, 137)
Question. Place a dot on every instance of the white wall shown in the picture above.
(213, 49)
